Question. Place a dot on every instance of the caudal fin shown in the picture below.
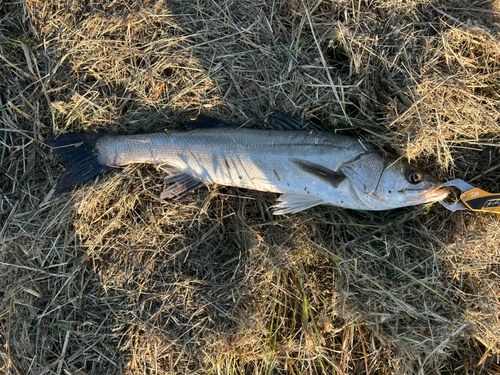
(79, 151)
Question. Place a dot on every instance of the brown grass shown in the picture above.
(110, 279)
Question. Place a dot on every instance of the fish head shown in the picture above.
(382, 183)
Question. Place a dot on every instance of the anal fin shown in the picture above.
(290, 203)
(181, 183)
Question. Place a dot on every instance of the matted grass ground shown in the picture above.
(109, 279)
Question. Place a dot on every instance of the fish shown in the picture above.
(304, 162)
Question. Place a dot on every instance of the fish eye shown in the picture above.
(414, 177)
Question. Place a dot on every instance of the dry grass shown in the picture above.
(110, 279)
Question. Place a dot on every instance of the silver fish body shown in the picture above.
(308, 167)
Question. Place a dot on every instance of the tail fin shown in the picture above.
(79, 151)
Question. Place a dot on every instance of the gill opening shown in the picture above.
(387, 165)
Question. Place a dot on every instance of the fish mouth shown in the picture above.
(437, 193)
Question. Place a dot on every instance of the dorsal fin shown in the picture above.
(205, 122)
(281, 121)
(277, 121)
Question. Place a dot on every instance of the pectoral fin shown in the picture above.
(290, 203)
(321, 173)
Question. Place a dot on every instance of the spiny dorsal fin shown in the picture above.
(318, 171)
